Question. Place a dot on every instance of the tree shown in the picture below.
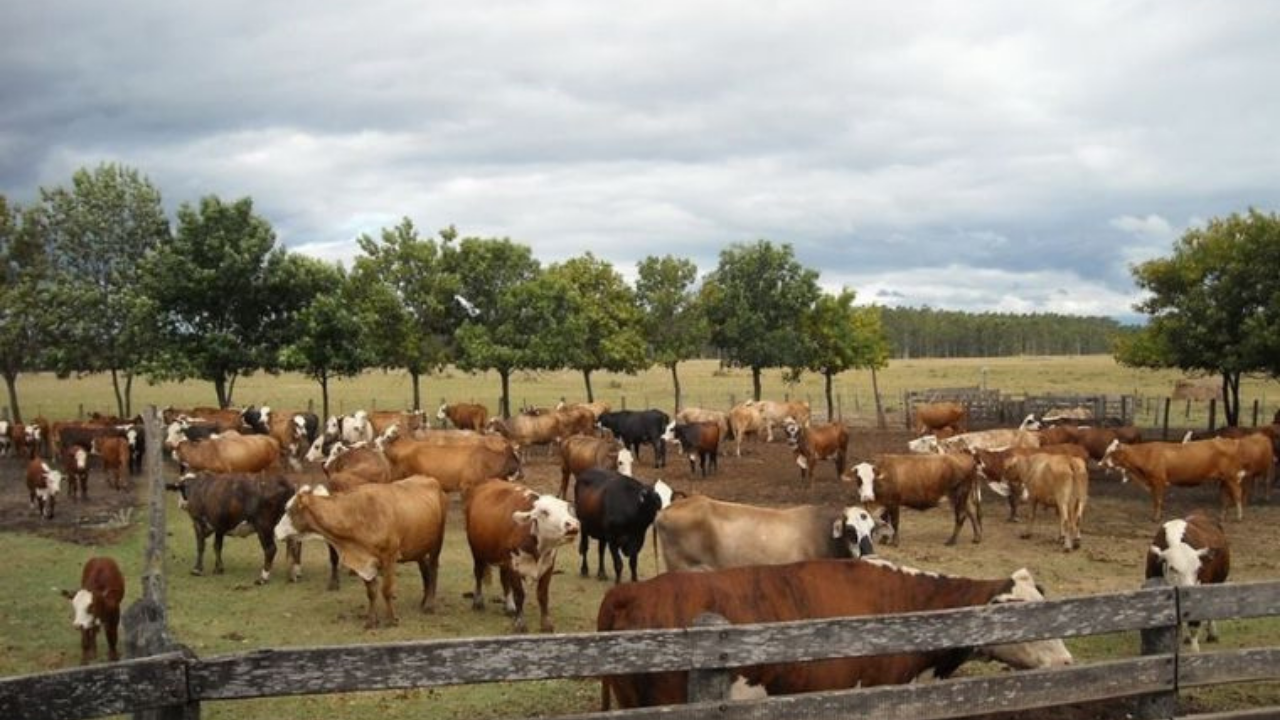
(100, 230)
(493, 275)
(330, 339)
(228, 295)
(601, 328)
(839, 337)
(674, 322)
(24, 296)
(1214, 305)
(417, 333)
(754, 301)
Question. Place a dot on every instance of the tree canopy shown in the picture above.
(25, 318)
(673, 318)
(838, 336)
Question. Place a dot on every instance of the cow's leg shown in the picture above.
(894, 514)
(1077, 519)
(371, 592)
(88, 645)
(715, 460)
(973, 506)
(429, 567)
(218, 537)
(544, 601)
(1031, 521)
(510, 582)
(584, 548)
(267, 538)
(564, 482)
(517, 598)
(201, 535)
(1211, 631)
(600, 572)
(1013, 506)
(1064, 526)
(333, 568)
(1237, 497)
(389, 589)
(959, 512)
(293, 549)
(616, 553)
(1157, 501)
(477, 598)
(659, 453)
(112, 627)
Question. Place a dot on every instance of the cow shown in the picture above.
(695, 415)
(1257, 451)
(373, 527)
(43, 483)
(745, 419)
(38, 441)
(920, 482)
(699, 533)
(575, 420)
(1057, 481)
(525, 430)
(229, 452)
(999, 438)
(808, 590)
(453, 464)
(1067, 415)
(1097, 439)
(75, 468)
(6, 442)
(991, 465)
(18, 439)
(349, 429)
(1191, 551)
(223, 418)
(699, 442)
(582, 452)
(597, 408)
(636, 427)
(819, 442)
(233, 504)
(1157, 465)
(97, 605)
(193, 430)
(408, 421)
(616, 510)
(1059, 434)
(464, 416)
(293, 431)
(776, 413)
(519, 531)
(932, 417)
(359, 460)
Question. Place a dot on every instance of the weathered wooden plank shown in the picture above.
(1228, 667)
(1267, 713)
(1162, 640)
(710, 684)
(1006, 692)
(1233, 600)
(106, 689)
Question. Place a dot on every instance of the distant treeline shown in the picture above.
(926, 332)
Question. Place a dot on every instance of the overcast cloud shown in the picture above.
(979, 156)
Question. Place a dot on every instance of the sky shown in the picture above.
(981, 156)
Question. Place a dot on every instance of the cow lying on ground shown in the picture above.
(373, 527)
(464, 416)
(636, 427)
(1157, 465)
(820, 442)
(699, 442)
(616, 510)
(43, 484)
(920, 482)
(582, 452)
(519, 531)
(991, 466)
(699, 533)
(97, 605)
(1187, 552)
(934, 417)
(811, 590)
(234, 504)
(1057, 481)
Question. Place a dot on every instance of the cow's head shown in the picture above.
(1113, 459)
(860, 530)
(173, 434)
(669, 435)
(388, 436)
(625, 461)
(84, 615)
(293, 524)
(1179, 561)
(924, 445)
(792, 428)
(1030, 422)
(440, 414)
(550, 520)
(1033, 654)
(333, 426)
(664, 492)
(864, 473)
(316, 452)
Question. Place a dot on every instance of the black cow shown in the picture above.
(616, 510)
(234, 504)
(635, 427)
(700, 441)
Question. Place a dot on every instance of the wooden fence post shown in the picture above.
(1255, 413)
(1161, 640)
(1164, 432)
(706, 684)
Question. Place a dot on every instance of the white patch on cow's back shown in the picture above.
(80, 603)
(664, 490)
(904, 569)
(743, 690)
(923, 445)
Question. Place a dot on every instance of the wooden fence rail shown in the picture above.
(176, 679)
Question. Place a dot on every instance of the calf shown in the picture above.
(636, 427)
(699, 441)
(464, 416)
(97, 605)
(519, 531)
(114, 452)
(617, 510)
(43, 483)
(820, 442)
(1191, 551)
(237, 505)
(991, 465)
(75, 468)
(583, 452)
(920, 482)
(1056, 481)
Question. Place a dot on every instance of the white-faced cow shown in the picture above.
(97, 605)
(699, 441)
(43, 484)
(920, 482)
(1191, 551)
(819, 442)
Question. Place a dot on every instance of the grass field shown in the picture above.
(222, 614)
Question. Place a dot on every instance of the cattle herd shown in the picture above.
(388, 478)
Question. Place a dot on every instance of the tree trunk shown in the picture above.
(505, 374)
(220, 388)
(875, 390)
(586, 378)
(115, 387)
(675, 382)
(128, 394)
(417, 390)
(231, 389)
(831, 411)
(755, 383)
(324, 394)
(11, 380)
(1231, 398)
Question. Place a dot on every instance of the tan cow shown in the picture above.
(526, 430)
(776, 413)
(745, 419)
(454, 464)
(226, 453)
(464, 416)
(1157, 465)
(820, 442)
(920, 482)
(1057, 481)
(992, 463)
(583, 452)
(691, 415)
(933, 417)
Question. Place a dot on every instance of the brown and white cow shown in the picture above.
(699, 441)
(97, 605)
(1097, 439)
(516, 529)
(804, 591)
(228, 452)
(288, 428)
(819, 442)
(43, 484)
(997, 439)
(1257, 448)
(234, 504)
(934, 417)
(700, 533)
(1191, 551)
(583, 452)
(696, 414)
(1157, 465)
(75, 468)
(409, 421)
(360, 460)
(374, 527)
(1057, 481)
(991, 465)
(464, 416)
(920, 482)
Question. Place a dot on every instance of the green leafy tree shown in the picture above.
(329, 340)
(674, 321)
(417, 333)
(229, 296)
(1214, 305)
(754, 301)
(25, 320)
(840, 337)
(498, 302)
(601, 329)
(100, 229)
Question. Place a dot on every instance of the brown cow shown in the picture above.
(233, 504)
(991, 465)
(695, 415)
(373, 527)
(1191, 551)
(359, 460)
(227, 453)
(288, 428)
(811, 590)
(583, 452)
(1057, 481)
(1256, 456)
(597, 408)
(525, 430)
(43, 483)
(1097, 439)
(699, 441)
(820, 442)
(576, 420)
(408, 421)
(115, 454)
(920, 482)
(1157, 465)
(519, 531)
(932, 417)
(464, 416)
(75, 468)
(97, 605)
(454, 463)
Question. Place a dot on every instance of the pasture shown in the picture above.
(228, 613)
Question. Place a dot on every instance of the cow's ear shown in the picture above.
(1156, 551)
(837, 528)
(522, 517)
